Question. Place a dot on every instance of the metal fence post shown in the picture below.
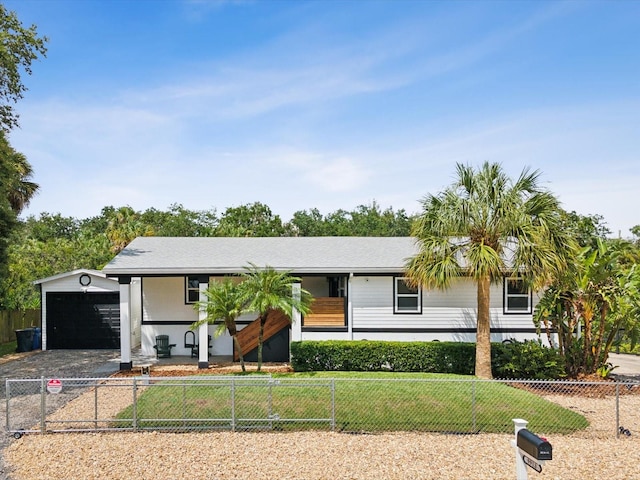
(233, 405)
(43, 405)
(95, 405)
(617, 410)
(134, 410)
(333, 404)
(7, 394)
(270, 413)
(184, 403)
(473, 404)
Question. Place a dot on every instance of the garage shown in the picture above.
(83, 320)
(80, 310)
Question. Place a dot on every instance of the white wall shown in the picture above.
(455, 308)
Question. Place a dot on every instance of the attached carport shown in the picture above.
(80, 310)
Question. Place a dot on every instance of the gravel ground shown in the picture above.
(593, 454)
(308, 455)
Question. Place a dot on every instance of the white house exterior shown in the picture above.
(357, 283)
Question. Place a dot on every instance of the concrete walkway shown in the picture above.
(627, 366)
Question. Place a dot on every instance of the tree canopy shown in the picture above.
(20, 46)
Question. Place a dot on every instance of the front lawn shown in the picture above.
(362, 402)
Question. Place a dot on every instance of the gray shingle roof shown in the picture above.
(211, 255)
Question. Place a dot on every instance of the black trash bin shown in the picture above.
(24, 339)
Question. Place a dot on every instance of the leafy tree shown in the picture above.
(307, 224)
(364, 221)
(251, 220)
(590, 303)
(636, 233)
(585, 229)
(180, 222)
(485, 226)
(50, 226)
(225, 301)
(266, 290)
(19, 47)
(370, 221)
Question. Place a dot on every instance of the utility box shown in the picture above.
(533, 445)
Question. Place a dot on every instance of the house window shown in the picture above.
(192, 290)
(517, 296)
(406, 299)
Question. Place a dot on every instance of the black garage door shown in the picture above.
(83, 320)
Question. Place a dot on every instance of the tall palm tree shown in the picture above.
(267, 289)
(17, 173)
(224, 302)
(485, 226)
(21, 189)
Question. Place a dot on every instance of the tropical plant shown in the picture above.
(224, 301)
(486, 226)
(590, 304)
(266, 290)
(124, 226)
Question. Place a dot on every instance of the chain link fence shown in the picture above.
(351, 405)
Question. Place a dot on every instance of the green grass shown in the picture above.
(7, 348)
(364, 402)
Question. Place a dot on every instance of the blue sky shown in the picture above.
(329, 104)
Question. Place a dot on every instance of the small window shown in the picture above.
(517, 296)
(192, 290)
(406, 298)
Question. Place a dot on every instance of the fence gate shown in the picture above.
(174, 404)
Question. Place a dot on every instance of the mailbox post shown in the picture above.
(531, 450)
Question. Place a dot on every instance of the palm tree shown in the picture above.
(224, 302)
(485, 226)
(21, 190)
(124, 226)
(17, 173)
(266, 290)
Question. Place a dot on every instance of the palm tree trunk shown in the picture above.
(263, 320)
(239, 350)
(483, 332)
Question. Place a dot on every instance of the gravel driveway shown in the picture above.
(51, 363)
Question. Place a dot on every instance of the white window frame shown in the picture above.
(508, 295)
(397, 295)
(189, 289)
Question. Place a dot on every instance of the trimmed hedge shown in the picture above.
(511, 360)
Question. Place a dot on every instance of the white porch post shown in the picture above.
(349, 308)
(296, 317)
(203, 330)
(125, 323)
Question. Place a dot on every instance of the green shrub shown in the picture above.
(529, 359)
(366, 356)
(512, 360)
